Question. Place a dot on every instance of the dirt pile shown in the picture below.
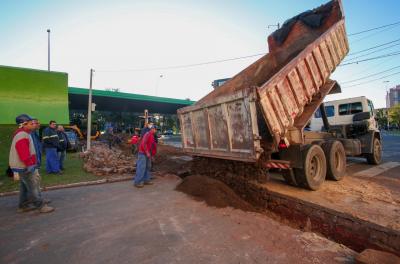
(101, 161)
(213, 192)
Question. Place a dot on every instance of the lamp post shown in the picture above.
(48, 49)
(89, 117)
(387, 103)
(158, 82)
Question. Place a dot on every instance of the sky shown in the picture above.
(128, 43)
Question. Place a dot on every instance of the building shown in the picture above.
(393, 96)
(46, 95)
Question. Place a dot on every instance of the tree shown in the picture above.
(394, 114)
(381, 117)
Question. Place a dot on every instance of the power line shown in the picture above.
(184, 65)
(377, 79)
(374, 47)
(370, 75)
(372, 29)
(372, 52)
(373, 58)
(373, 34)
(261, 54)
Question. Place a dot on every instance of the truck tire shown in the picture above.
(375, 157)
(335, 160)
(313, 173)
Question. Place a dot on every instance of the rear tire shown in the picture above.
(375, 157)
(335, 160)
(313, 173)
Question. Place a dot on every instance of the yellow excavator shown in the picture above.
(81, 135)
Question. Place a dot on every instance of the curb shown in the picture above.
(72, 185)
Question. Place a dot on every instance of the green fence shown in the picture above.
(42, 94)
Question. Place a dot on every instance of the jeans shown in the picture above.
(52, 161)
(29, 189)
(61, 157)
(143, 165)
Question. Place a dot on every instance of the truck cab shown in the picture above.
(342, 112)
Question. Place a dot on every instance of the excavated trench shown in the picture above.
(240, 185)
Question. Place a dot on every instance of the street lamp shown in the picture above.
(387, 103)
(158, 82)
(48, 49)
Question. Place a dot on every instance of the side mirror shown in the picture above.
(361, 116)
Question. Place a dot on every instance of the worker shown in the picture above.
(147, 150)
(23, 162)
(63, 145)
(146, 129)
(36, 140)
(109, 136)
(38, 148)
(134, 142)
(51, 144)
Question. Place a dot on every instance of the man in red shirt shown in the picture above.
(147, 150)
(23, 163)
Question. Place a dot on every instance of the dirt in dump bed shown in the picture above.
(212, 192)
(284, 45)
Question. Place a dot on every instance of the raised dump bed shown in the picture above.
(271, 101)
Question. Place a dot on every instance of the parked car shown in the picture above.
(168, 132)
(73, 140)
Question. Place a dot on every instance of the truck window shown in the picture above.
(350, 109)
(356, 108)
(330, 111)
(344, 109)
(371, 107)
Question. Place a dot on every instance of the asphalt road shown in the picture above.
(117, 223)
(391, 147)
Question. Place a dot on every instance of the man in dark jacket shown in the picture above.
(50, 144)
(62, 146)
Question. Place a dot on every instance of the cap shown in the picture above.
(23, 118)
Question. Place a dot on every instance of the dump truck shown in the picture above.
(260, 115)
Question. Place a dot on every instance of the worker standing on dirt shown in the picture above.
(63, 145)
(23, 162)
(109, 137)
(134, 142)
(147, 150)
(51, 144)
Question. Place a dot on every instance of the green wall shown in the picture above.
(41, 94)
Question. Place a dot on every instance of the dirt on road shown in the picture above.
(212, 192)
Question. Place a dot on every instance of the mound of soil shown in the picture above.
(212, 192)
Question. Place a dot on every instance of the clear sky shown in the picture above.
(121, 39)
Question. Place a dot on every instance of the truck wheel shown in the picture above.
(335, 159)
(313, 173)
(376, 156)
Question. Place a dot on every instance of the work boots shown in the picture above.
(46, 209)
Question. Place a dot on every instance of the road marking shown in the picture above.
(377, 169)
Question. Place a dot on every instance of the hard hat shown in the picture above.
(23, 118)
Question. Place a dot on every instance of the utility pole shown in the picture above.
(89, 116)
(48, 49)
(274, 25)
(387, 103)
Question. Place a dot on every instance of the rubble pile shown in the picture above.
(102, 161)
